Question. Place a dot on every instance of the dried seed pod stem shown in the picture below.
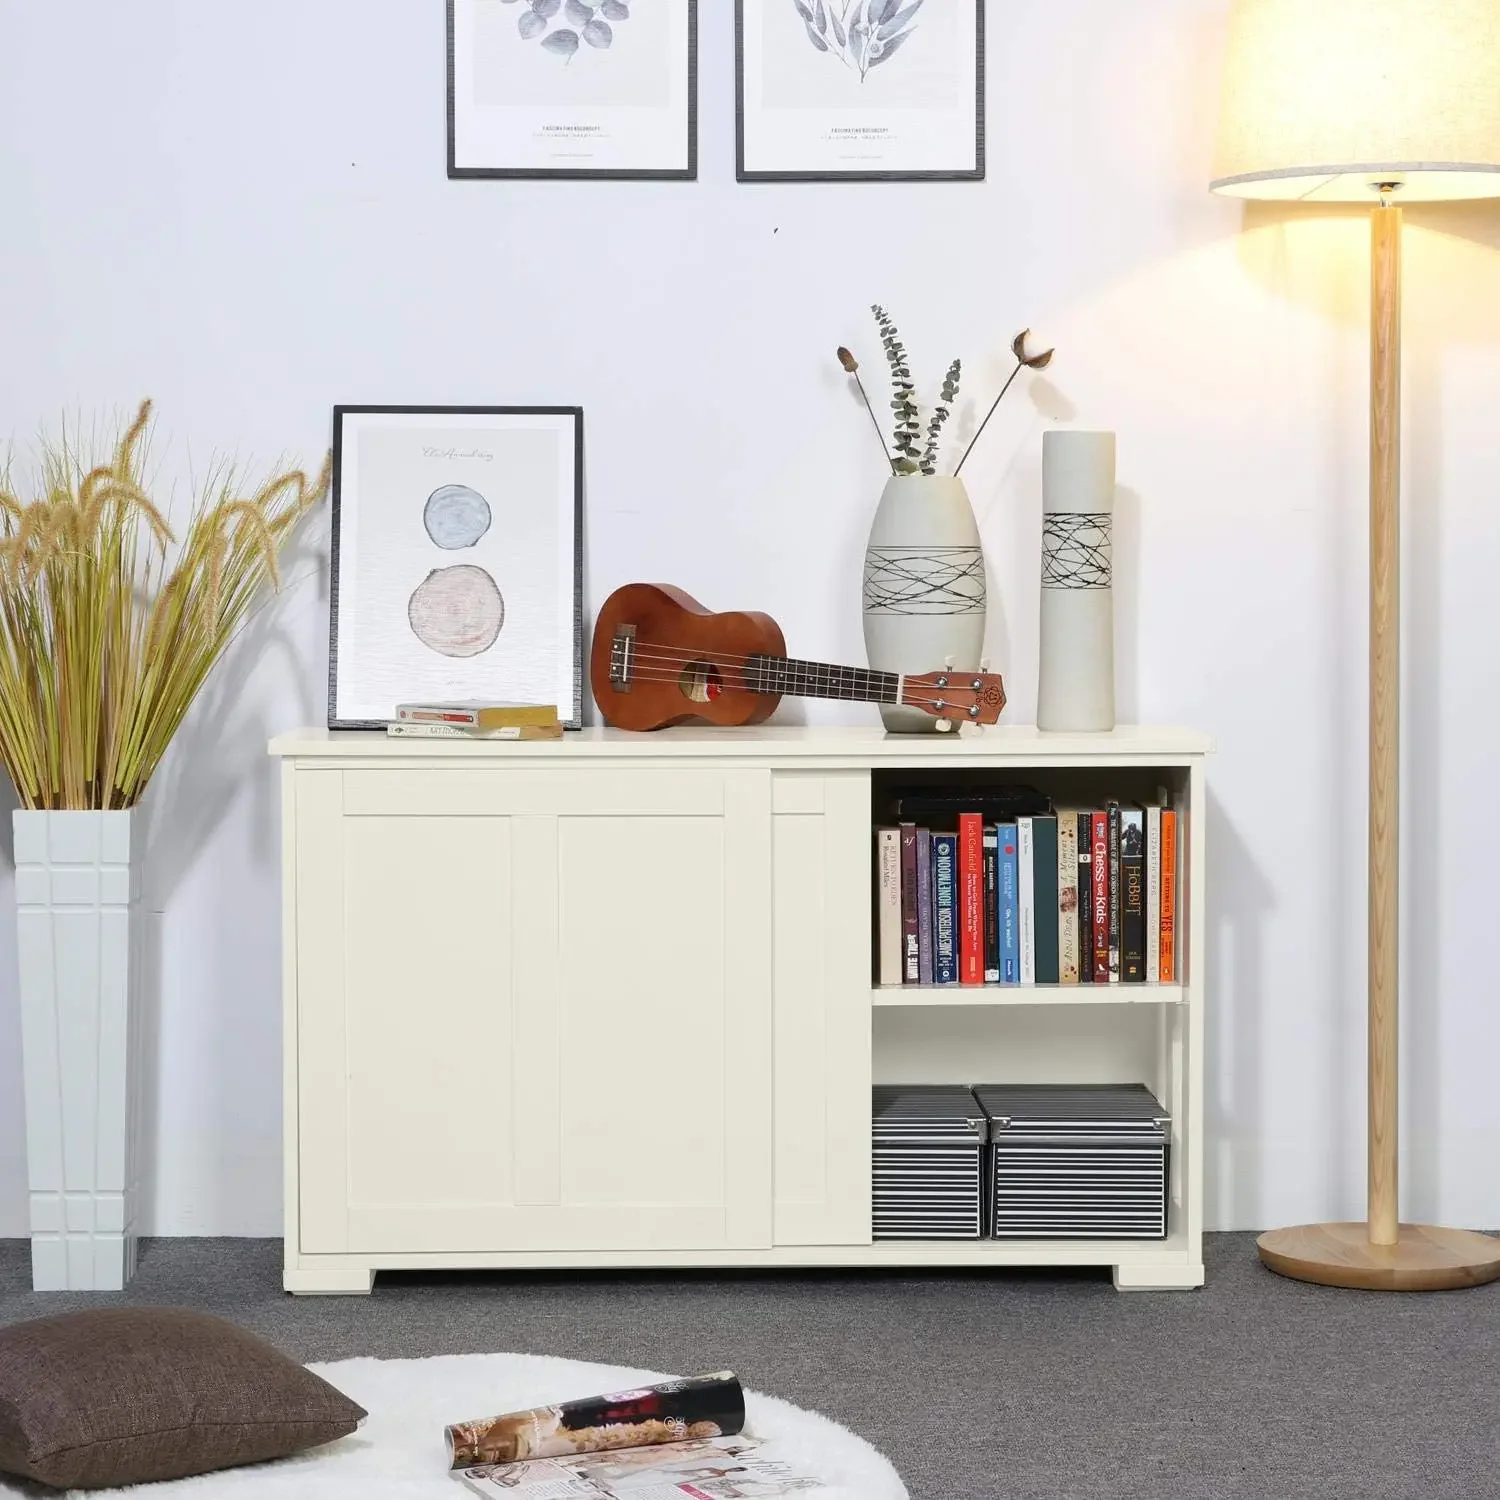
(848, 361)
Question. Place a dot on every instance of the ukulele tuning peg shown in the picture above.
(984, 666)
(947, 663)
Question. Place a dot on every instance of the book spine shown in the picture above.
(924, 906)
(1026, 899)
(991, 905)
(911, 957)
(1010, 938)
(1099, 875)
(944, 884)
(1044, 855)
(971, 892)
(1114, 893)
(1085, 836)
(1067, 898)
(1168, 896)
(1133, 895)
(1153, 895)
(412, 713)
(888, 902)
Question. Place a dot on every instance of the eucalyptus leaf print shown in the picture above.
(591, 21)
(862, 34)
(564, 43)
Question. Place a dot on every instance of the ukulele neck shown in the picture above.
(790, 678)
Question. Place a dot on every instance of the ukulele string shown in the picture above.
(930, 698)
(664, 655)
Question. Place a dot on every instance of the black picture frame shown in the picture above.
(571, 715)
(582, 174)
(976, 174)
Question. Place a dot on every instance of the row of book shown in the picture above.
(475, 721)
(1069, 896)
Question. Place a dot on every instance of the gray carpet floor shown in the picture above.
(977, 1387)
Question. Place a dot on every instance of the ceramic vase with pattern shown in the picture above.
(924, 590)
(1076, 689)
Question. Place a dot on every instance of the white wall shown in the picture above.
(241, 210)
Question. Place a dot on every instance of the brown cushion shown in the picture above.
(128, 1395)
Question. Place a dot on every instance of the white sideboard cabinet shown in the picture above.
(611, 1000)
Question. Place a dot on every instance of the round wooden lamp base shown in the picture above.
(1424, 1259)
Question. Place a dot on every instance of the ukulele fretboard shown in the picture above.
(816, 679)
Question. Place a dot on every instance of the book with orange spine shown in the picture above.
(971, 898)
(1168, 959)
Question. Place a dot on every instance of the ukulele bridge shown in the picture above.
(622, 659)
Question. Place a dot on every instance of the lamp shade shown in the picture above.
(1325, 100)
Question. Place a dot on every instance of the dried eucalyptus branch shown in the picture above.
(909, 458)
(908, 420)
(940, 416)
(1024, 361)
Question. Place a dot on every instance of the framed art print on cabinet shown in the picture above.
(859, 90)
(457, 559)
(573, 88)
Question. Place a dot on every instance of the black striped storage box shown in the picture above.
(1076, 1161)
(927, 1166)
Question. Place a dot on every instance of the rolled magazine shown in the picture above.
(701, 1406)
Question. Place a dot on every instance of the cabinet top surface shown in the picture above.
(767, 742)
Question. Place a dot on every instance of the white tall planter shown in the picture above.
(77, 901)
(924, 596)
(1076, 687)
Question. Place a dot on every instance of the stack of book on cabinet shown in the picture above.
(1001, 887)
(476, 721)
(1019, 1161)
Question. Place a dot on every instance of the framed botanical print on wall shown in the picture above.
(573, 88)
(457, 559)
(859, 90)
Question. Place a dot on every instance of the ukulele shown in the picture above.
(660, 658)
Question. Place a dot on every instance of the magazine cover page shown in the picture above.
(701, 1406)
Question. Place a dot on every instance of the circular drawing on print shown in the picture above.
(457, 611)
(456, 517)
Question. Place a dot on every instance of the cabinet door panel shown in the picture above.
(822, 980)
(642, 999)
(429, 1012)
(539, 1029)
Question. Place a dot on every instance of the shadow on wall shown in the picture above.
(220, 749)
(222, 744)
(1242, 905)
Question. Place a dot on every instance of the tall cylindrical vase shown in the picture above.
(77, 909)
(1077, 679)
(924, 594)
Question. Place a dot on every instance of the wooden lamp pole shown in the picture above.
(1383, 937)
(1288, 121)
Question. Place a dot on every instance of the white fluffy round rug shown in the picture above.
(400, 1454)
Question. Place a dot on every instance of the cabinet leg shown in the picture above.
(308, 1278)
(1159, 1276)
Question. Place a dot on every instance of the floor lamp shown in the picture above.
(1383, 102)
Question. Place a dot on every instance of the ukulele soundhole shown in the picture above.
(701, 682)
